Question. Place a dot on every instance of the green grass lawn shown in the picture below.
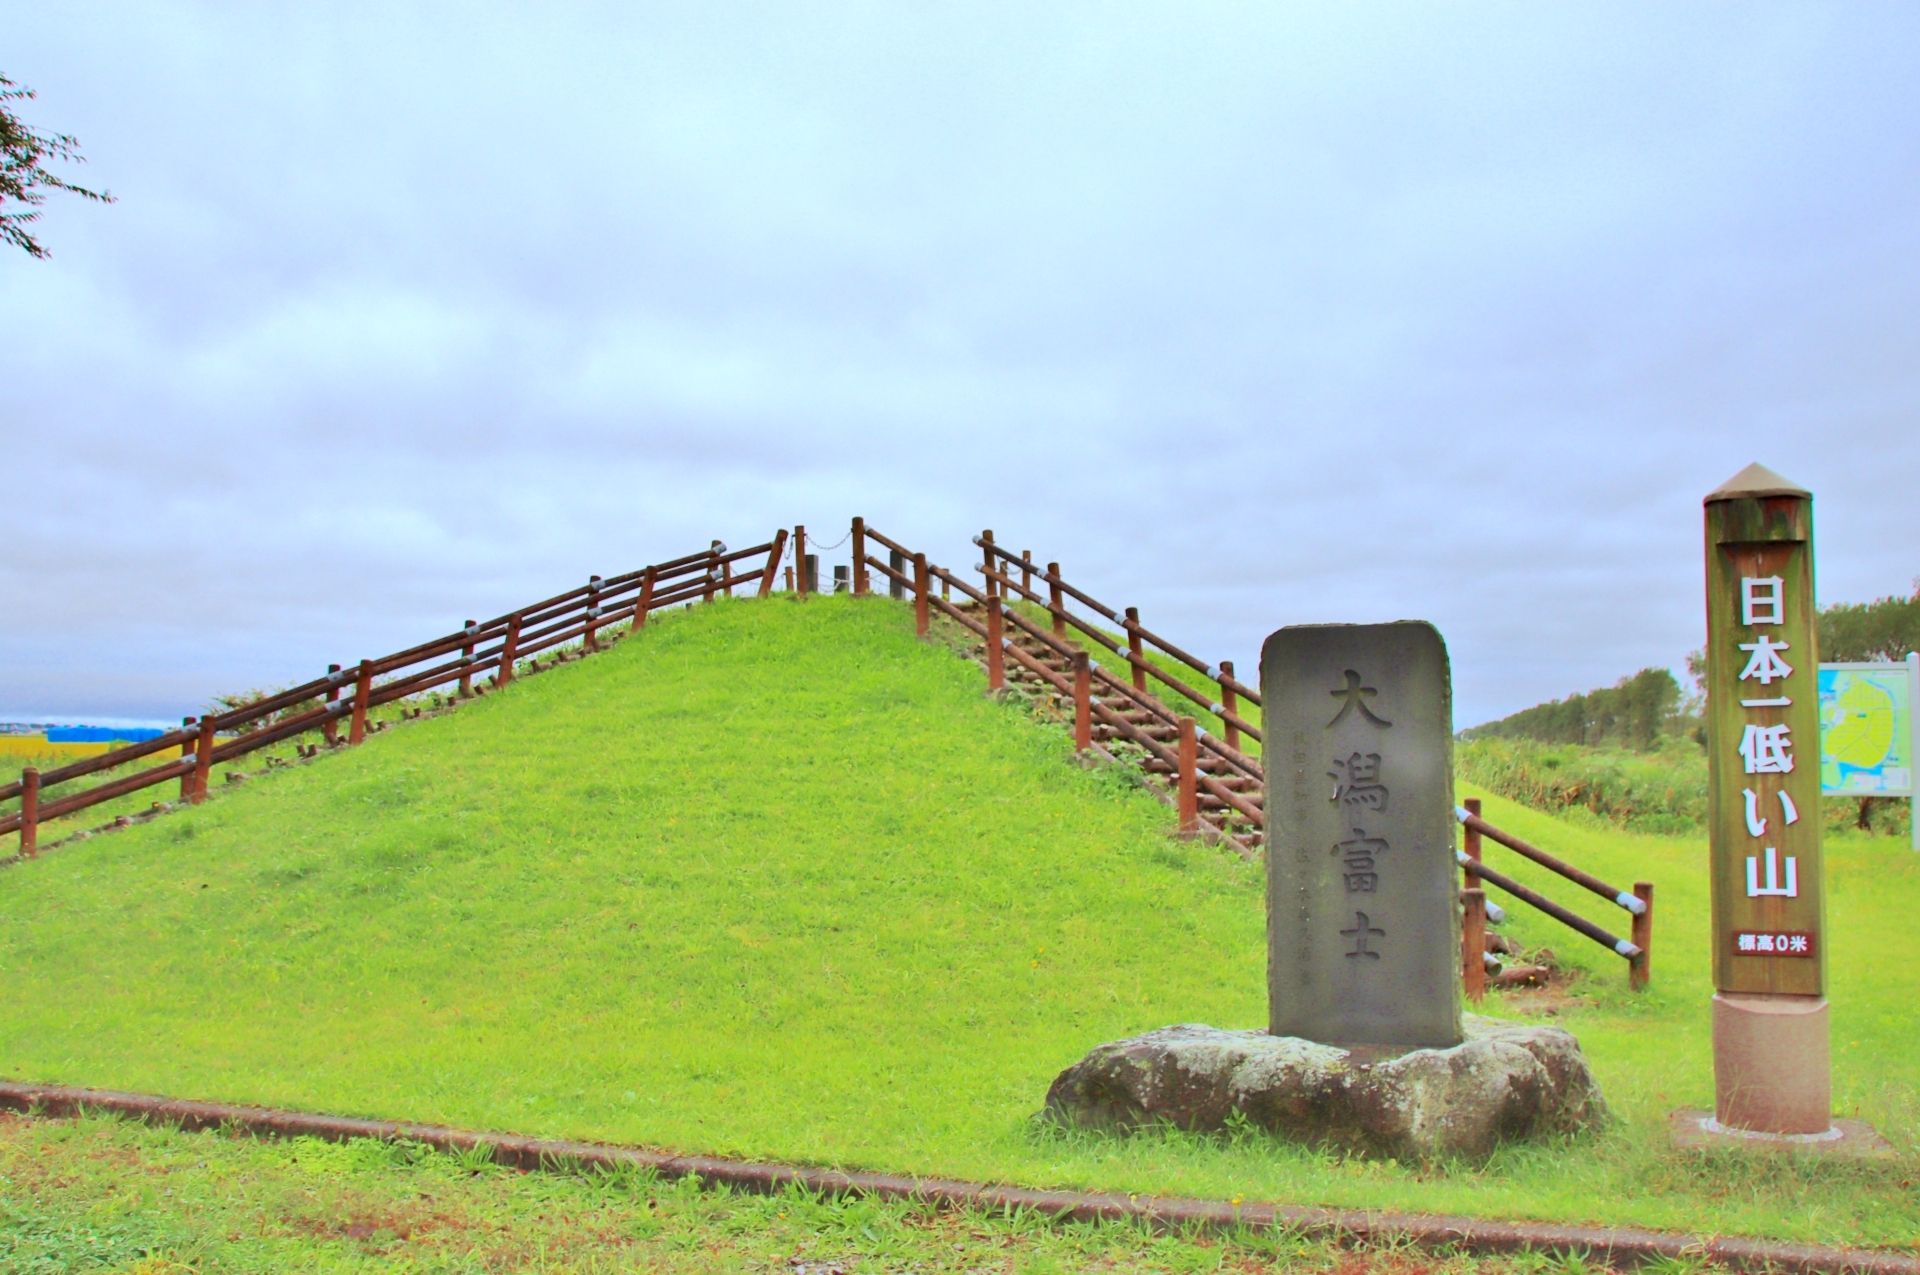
(100, 1195)
(776, 880)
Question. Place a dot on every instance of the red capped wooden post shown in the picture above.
(922, 583)
(1136, 656)
(1229, 700)
(362, 693)
(466, 664)
(593, 613)
(986, 559)
(996, 655)
(202, 760)
(645, 604)
(29, 812)
(1082, 702)
(1056, 604)
(800, 559)
(509, 650)
(1189, 776)
(859, 557)
(186, 751)
(1473, 943)
(1640, 972)
(1470, 842)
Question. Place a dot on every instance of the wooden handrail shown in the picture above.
(1142, 666)
(1571, 919)
(1639, 903)
(578, 613)
(1131, 624)
(1620, 898)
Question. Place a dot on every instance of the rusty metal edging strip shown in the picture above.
(1619, 1245)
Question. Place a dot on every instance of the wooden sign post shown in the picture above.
(1770, 1051)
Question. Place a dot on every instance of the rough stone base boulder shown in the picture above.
(1505, 1081)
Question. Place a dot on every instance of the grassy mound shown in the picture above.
(776, 880)
(765, 875)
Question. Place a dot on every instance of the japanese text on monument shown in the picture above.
(1358, 792)
(1766, 748)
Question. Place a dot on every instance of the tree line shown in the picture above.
(1637, 712)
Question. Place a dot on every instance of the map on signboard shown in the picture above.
(1866, 736)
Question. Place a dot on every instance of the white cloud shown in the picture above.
(1248, 315)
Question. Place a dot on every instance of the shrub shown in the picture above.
(1663, 791)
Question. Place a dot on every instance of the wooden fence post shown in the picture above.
(645, 604)
(789, 579)
(202, 759)
(1640, 972)
(329, 727)
(859, 557)
(773, 562)
(986, 559)
(186, 751)
(466, 664)
(922, 584)
(996, 656)
(362, 693)
(1056, 603)
(1136, 655)
(898, 561)
(1026, 572)
(1082, 701)
(800, 559)
(1473, 943)
(1229, 700)
(593, 613)
(1189, 776)
(509, 649)
(713, 572)
(1470, 842)
(29, 812)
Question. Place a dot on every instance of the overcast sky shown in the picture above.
(1249, 316)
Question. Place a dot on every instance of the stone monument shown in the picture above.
(1366, 1046)
(1363, 937)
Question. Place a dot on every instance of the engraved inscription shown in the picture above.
(1356, 781)
(1362, 932)
(1352, 696)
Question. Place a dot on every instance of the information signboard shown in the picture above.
(1869, 737)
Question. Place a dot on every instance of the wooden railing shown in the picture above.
(1211, 781)
(345, 696)
(1638, 950)
(1214, 784)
